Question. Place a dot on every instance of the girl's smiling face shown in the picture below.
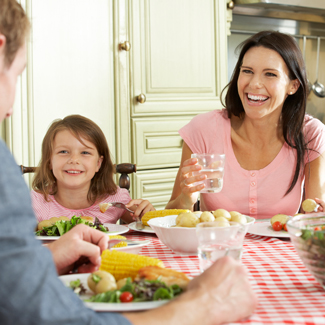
(264, 83)
(74, 163)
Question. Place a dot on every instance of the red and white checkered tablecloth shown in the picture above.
(287, 292)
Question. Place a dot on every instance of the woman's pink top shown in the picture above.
(257, 193)
(45, 210)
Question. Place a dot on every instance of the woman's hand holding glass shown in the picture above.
(189, 182)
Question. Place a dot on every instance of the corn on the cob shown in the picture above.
(120, 244)
(117, 237)
(122, 265)
(160, 213)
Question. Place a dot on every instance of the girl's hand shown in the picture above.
(140, 207)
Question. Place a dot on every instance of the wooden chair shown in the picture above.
(196, 206)
(124, 169)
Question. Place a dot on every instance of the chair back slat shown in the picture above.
(124, 169)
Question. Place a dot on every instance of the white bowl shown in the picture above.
(181, 240)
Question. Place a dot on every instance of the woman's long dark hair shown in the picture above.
(294, 107)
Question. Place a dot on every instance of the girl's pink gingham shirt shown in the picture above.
(45, 210)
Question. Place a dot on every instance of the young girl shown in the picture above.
(75, 174)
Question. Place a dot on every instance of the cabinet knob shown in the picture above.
(141, 98)
(230, 5)
(125, 46)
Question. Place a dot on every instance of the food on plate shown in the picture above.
(87, 218)
(121, 283)
(121, 243)
(123, 265)
(168, 276)
(44, 223)
(279, 222)
(283, 218)
(77, 287)
(58, 226)
(160, 213)
(309, 205)
(101, 281)
(54, 219)
(104, 206)
(50, 222)
(150, 284)
(187, 219)
(222, 213)
(206, 216)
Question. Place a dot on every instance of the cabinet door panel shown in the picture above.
(178, 55)
(155, 186)
(156, 142)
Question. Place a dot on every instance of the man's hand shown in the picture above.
(82, 244)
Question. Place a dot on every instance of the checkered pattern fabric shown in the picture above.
(287, 292)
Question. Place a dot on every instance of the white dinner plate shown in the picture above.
(105, 306)
(264, 228)
(114, 229)
(146, 228)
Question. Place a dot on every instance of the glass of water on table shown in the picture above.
(215, 242)
(213, 167)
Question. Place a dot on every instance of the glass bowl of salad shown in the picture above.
(307, 233)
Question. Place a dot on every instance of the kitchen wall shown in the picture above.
(241, 23)
(70, 70)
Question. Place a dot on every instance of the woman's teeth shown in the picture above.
(257, 98)
(73, 172)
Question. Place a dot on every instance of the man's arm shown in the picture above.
(31, 292)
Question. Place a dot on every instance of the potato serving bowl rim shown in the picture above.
(181, 240)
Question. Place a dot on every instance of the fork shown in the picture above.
(138, 223)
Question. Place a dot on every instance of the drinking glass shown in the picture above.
(213, 166)
(215, 242)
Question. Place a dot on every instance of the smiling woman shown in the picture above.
(264, 84)
(274, 151)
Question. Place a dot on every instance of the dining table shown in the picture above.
(287, 292)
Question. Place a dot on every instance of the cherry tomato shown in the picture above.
(285, 227)
(277, 226)
(317, 229)
(126, 296)
(323, 227)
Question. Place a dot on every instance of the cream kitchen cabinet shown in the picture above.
(177, 68)
(155, 186)
(70, 70)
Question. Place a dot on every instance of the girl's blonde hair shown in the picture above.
(102, 183)
(15, 26)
